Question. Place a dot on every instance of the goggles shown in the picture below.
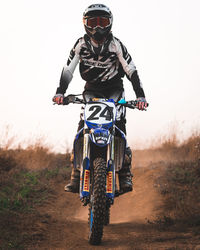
(93, 22)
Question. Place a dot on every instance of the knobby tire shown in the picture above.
(107, 216)
(97, 209)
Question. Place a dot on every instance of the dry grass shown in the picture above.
(27, 179)
(179, 182)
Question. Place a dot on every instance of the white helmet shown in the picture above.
(97, 19)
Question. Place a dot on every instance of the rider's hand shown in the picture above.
(141, 103)
(58, 98)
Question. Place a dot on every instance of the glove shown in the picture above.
(58, 98)
(141, 103)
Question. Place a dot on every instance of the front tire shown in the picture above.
(97, 209)
(107, 215)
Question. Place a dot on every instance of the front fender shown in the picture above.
(100, 136)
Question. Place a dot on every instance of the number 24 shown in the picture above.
(106, 113)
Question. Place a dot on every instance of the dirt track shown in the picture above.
(63, 223)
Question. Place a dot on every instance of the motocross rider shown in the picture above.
(103, 62)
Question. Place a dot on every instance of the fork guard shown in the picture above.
(85, 179)
(110, 180)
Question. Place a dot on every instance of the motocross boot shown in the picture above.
(74, 184)
(125, 175)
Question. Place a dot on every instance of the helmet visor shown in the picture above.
(93, 22)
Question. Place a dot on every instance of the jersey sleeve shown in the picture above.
(129, 68)
(68, 69)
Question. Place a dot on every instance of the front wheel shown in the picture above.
(97, 209)
(107, 216)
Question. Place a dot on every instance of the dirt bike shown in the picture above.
(99, 155)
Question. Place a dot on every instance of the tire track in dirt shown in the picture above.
(66, 226)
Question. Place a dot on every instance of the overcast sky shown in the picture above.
(36, 36)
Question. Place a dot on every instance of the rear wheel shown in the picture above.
(97, 209)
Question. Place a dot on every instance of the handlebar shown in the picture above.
(74, 99)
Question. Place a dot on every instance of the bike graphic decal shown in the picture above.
(107, 113)
(96, 109)
(86, 181)
(109, 182)
(100, 113)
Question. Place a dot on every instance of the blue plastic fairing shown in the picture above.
(100, 136)
(94, 125)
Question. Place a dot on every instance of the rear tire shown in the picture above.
(97, 209)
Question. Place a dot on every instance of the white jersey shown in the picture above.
(100, 69)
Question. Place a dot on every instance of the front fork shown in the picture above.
(85, 171)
